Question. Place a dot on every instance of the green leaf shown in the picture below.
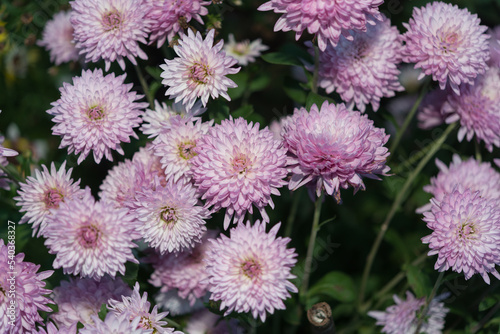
(313, 98)
(418, 281)
(281, 58)
(155, 72)
(103, 311)
(131, 270)
(218, 110)
(244, 111)
(260, 82)
(241, 79)
(295, 92)
(335, 285)
(487, 303)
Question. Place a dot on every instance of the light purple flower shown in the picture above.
(110, 30)
(90, 238)
(251, 270)
(446, 42)
(332, 148)
(96, 114)
(199, 71)
(79, 299)
(403, 317)
(363, 70)
(204, 321)
(5, 152)
(327, 19)
(465, 233)
(238, 166)
(57, 38)
(114, 324)
(245, 52)
(169, 17)
(430, 111)
(495, 46)
(45, 192)
(176, 305)
(52, 329)
(28, 291)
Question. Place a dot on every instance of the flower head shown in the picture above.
(250, 271)
(327, 19)
(114, 324)
(110, 30)
(237, 166)
(446, 42)
(199, 71)
(57, 38)
(333, 147)
(245, 52)
(465, 233)
(96, 113)
(404, 316)
(90, 238)
(430, 111)
(169, 17)
(29, 290)
(4, 153)
(52, 329)
(205, 321)
(45, 192)
(365, 69)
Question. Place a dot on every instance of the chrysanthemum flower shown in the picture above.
(477, 109)
(169, 17)
(250, 271)
(171, 217)
(199, 71)
(183, 272)
(52, 329)
(404, 316)
(205, 321)
(27, 293)
(79, 299)
(44, 192)
(57, 38)
(245, 52)
(469, 174)
(114, 324)
(333, 147)
(465, 233)
(176, 305)
(363, 70)
(5, 152)
(430, 111)
(237, 166)
(495, 46)
(96, 113)
(446, 42)
(177, 146)
(90, 238)
(327, 19)
(110, 30)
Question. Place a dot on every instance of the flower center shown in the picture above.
(200, 73)
(168, 215)
(449, 41)
(111, 20)
(52, 198)
(251, 268)
(466, 230)
(186, 150)
(88, 236)
(241, 48)
(95, 113)
(240, 164)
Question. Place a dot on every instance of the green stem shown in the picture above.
(395, 206)
(13, 176)
(310, 247)
(478, 151)
(428, 302)
(314, 85)
(292, 214)
(407, 121)
(486, 318)
(144, 85)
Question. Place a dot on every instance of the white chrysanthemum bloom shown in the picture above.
(244, 52)
(199, 71)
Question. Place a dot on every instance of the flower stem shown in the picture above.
(13, 176)
(310, 247)
(314, 84)
(292, 214)
(395, 206)
(428, 302)
(144, 85)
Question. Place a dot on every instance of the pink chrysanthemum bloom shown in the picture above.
(495, 46)
(199, 71)
(184, 271)
(6, 152)
(136, 306)
(446, 42)
(52, 329)
(45, 192)
(176, 305)
(57, 38)
(251, 270)
(27, 293)
(171, 218)
(157, 121)
(333, 147)
(110, 30)
(90, 238)
(404, 316)
(114, 324)
(430, 111)
(79, 299)
(244, 52)
(237, 166)
(204, 321)
(477, 109)
(169, 17)
(469, 174)
(176, 147)
(327, 19)
(363, 70)
(96, 113)
(465, 233)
